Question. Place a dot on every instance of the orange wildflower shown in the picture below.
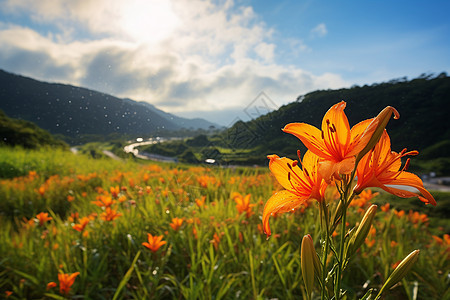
(109, 214)
(395, 265)
(83, 222)
(363, 198)
(300, 185)
(43, 218)
(215, 241)
(66, 281)
(336, 144)
(381, 168)
(445, 241)
(103, 201)
(114, 190)
(41, 190)
(416, 217)
(385, 207)
(243, 204)
(200, 202)
(399, 213)
(154, 242)
(51, 285)
(176, 223)
(8, 293)
(370, 241)
(70, 198)
(73, 217)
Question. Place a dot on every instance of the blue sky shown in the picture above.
(211, 59)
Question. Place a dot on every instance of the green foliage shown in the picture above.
(423, 104)
(15, 132)
(188, 157)
(242, 263)
(438, 150)
(198, 141)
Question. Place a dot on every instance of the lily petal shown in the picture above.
(311, 137)
(280, 169)
(338, 136)
(412, 180)
(361, 134)
(282, 201)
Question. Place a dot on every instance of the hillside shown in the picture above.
(74, 111)
(423, 104)
(15, 132)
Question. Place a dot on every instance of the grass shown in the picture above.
(217, 253)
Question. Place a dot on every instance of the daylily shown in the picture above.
(381, 168)
(336, 144)
(104, 201)
(243, 204)
(66, 281)
(43, 218)
(109, 214)
(51, 285)
(83, 223)
(300, 184)
(176, 223)
(154, 242)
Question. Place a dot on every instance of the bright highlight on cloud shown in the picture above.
(185, 56)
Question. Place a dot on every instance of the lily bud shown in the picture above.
(402, 269)
(377, 126)
(363, 229)
(316, 260)
(307, 263)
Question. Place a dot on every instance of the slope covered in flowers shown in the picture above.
(71, 226)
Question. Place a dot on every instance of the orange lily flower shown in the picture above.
(43, 218)
(154, 242)
(66, 281)
(83, 222)
(243, 204)
(335, 143)
(114, 190)
(109, 214)
(301, 185)
(176, 223)
(200, 202)
(51, 285)
(381, 168)
(103, 201)
(215, 241)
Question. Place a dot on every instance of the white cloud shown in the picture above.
(185, 55)
(320, 30)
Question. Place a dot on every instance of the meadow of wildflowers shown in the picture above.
(75, 227)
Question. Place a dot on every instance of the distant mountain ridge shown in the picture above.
(71, 111)
(423, 103)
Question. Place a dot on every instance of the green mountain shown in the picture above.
(74, 111)
(423, 104)
(15, 132)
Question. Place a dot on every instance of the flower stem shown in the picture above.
(324, 223)
(346, 197)
(337, 292)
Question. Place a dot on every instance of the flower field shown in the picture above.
(75, 227)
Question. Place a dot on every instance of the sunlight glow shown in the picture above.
(148, 21)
